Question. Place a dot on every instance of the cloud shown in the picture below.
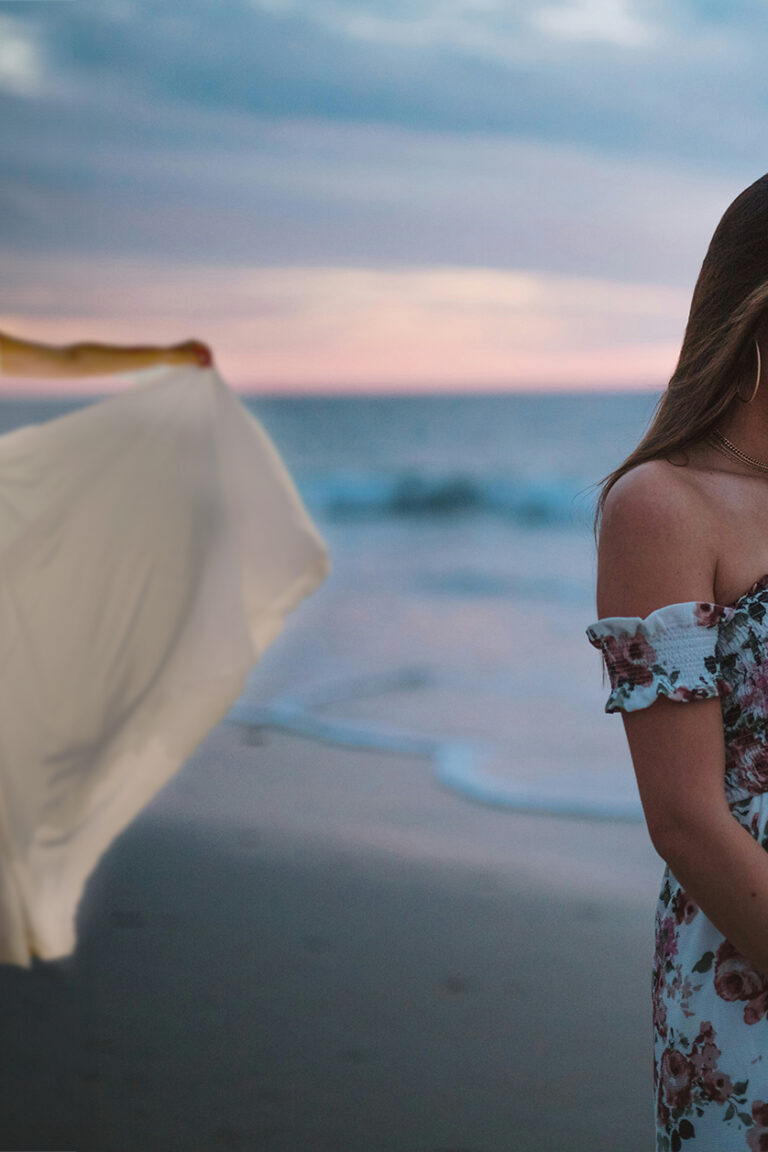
(22, 59)
(610, 21)
(332, 328)
(570, 138)
(254, 190)
(486, 27)
(608, 74)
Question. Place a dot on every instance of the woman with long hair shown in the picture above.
(682, 596)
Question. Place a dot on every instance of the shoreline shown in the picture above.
(298, 946)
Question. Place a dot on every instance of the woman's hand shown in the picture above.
(188, 352)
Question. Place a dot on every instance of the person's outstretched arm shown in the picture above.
(30, 358)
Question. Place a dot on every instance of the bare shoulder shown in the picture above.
(654, 546)
(655, 490)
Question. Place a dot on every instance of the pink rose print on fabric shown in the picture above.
(666, 941)
(627, 658)
(757, 1137)
(704, 1059)
(682, 989)
(659, 1009)
(758, 772)
(687, 1079)
(677, 1074)
(740, 751)
(754, 692)
(736, 979)
(685, 907)
(687, 694)
(760, 678)
(756, 1008)
(709, 615)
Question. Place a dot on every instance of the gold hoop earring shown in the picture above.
(757, 381)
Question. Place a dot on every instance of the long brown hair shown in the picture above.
(728, 308)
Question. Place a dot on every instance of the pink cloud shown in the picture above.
(299, 329)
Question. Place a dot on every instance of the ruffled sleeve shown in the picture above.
(671, 652)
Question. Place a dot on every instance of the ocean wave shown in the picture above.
(527, 500)
(458, 765)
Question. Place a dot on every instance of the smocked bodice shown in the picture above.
(695, 650)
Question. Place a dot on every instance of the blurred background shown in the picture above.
(402, 897)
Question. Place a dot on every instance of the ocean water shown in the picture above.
(453, 622)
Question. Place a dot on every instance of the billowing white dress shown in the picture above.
(151, 546)
(710, 1004)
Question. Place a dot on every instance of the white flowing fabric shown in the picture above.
(151, 546)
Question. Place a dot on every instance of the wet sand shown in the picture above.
(303, 948)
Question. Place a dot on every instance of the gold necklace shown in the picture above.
(724, 445)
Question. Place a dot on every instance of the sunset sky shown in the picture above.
(376, 195)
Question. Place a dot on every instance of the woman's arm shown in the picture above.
(724, 869)
(654, 550)
(30, 358)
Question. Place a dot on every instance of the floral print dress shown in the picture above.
(710, 1005)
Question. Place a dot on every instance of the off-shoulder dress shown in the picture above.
(710, 1004)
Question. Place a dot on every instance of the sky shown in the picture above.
(375, 195)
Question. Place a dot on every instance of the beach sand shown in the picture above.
(304, 948)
